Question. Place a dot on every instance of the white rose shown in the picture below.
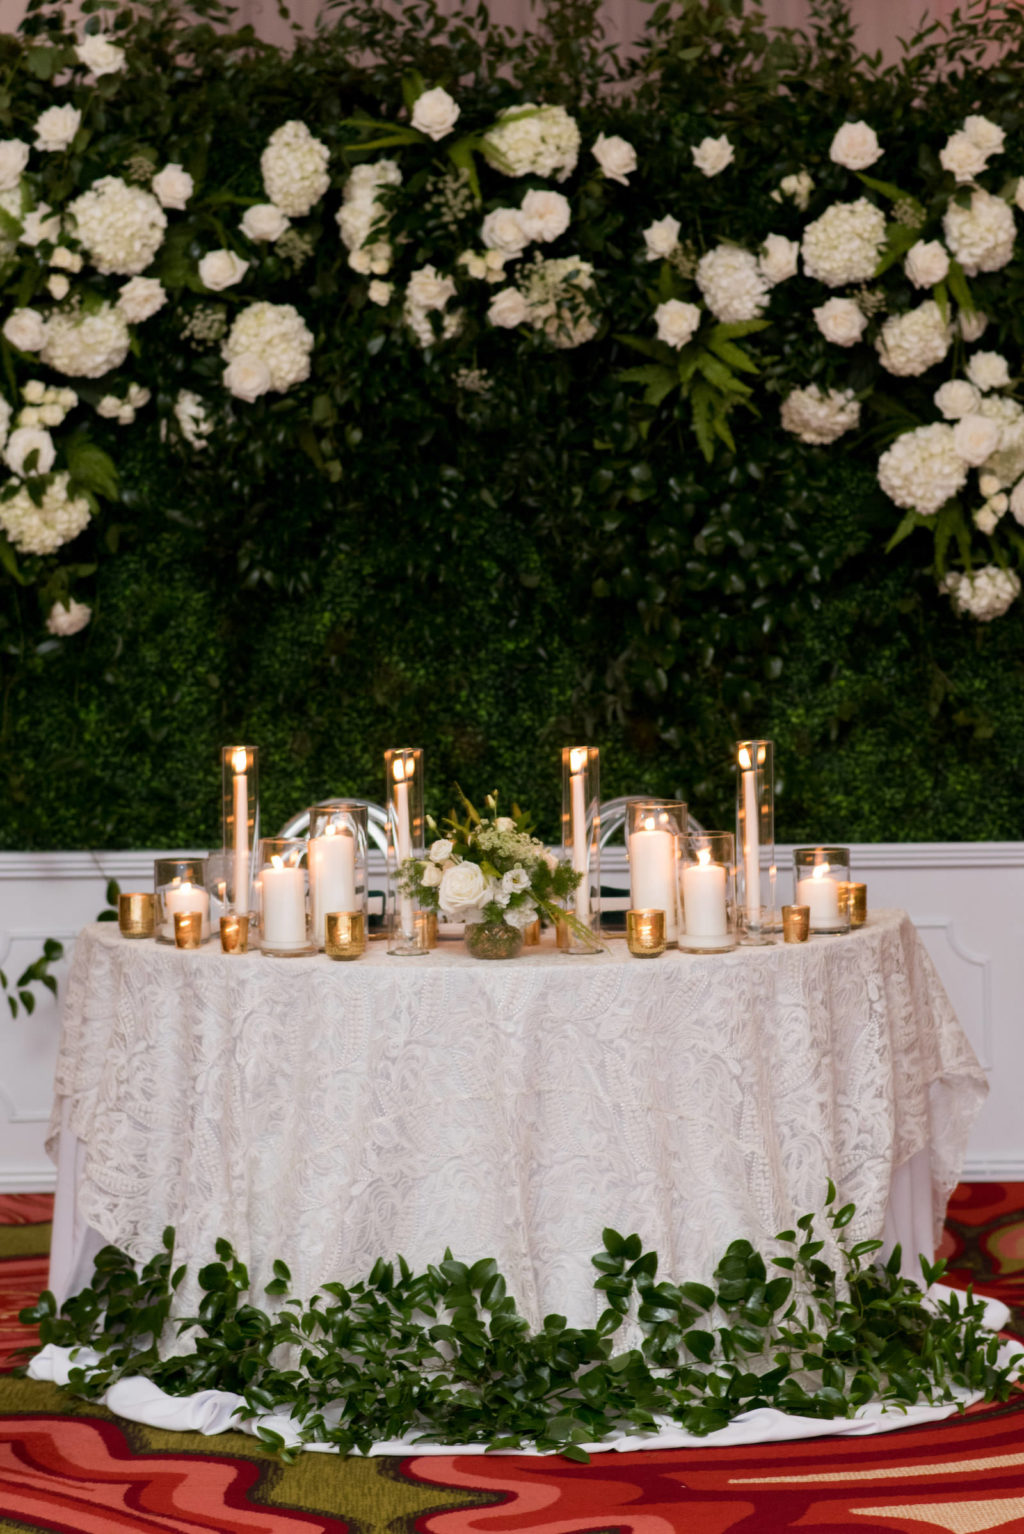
(962, 157)
(503, 230)
(247, 377)
(140, 298)
(58, 286)
(855, 146)
(462, 891)
(988, 370)
(508, 309)
(56, 127)
(13, 159)
(68, 617)
(434, 113)
(172, 186)
(221, 269)
(957, 398)
(927, 263)
(975, 438)
(265, 222)
(380, 292)
(712, 155)
(441, 850)
(677, 322)
(841, 321)
(799, 187)
(662, 237)
(778, 258)
(100, 55)
(616, 157)
(504, 823)
(25, 440)
(431, 875)
(474, 262)
(985, 134)
(26, 330)
(544, 215)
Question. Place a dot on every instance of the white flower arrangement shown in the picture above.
(731, 284)
(820, 416)
(45, 528)
(267, 348)
(844, 244)
(922, 470)
(294, 167)
(122, 227)
(532, 140)
(362, 215)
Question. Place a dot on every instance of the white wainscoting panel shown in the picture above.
(966, 899)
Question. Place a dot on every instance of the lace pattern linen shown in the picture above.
(332, 1114)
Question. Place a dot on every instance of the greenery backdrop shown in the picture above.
(389, 554)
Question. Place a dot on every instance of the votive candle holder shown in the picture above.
(581, 845)
(796, 923)
(819, 877)
(655, 829)
(282, 887)
(234, 933)
(645, 933)
(136, 913)
(337, 862)
(708, 886)
(179, 884)
(345, 934)
(188, 929)
(856, 897)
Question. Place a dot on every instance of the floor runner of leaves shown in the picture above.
(70, 1467)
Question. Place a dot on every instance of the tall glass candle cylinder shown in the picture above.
(337, 863)
(755, 840)
(820, 877)
(179, 885)
(240, 818)
(282, 888)
(654, 828)
(581, 830)
(403, 771)
(708, 887)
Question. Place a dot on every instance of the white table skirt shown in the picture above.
(333, 1113)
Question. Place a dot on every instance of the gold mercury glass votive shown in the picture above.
(188, 929)
(531, 934)
(645, 933)
(234, 934)
(855, 897)
(344, 934)
(426, 928)
(136, 913)
(796, 923)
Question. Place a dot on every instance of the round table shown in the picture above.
(331, 1113)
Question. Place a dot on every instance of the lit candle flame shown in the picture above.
(330, 829)
(399, 771)
(240, 759)
(704, 856)
(577, 758)
(744, 759)
(649, 823)
(276, 860)
(819, 871)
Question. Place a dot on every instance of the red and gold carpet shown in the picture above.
(70, 1467)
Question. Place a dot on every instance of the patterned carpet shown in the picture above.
(70, 1467)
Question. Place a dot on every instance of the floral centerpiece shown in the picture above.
(490, 873)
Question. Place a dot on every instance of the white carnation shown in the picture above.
(662, 238)
(172, 186)
(779, 258)
(840, 321)
(819, 417)
(544, 215)
(926, 263)
(986, 594)
(294, 167)
(13, 159)
(987, 135)
(975, 438)
(530, 140)
(220, 269)
(68, 617)
(855, 146)
(845, 243)
(140, 298)
(922, 469)
(731, 284)
(981, 235)
(25, 329)
(957, 398)
(99, 54)
(712, 155)
(275, 335)
(121, 226)
(56, 127)
(962, 157)
(44, 529)
(909, 344)
(435, 113)
(616, 157)
(24, 441)
(677, 322)
(988, 370)
(264, 221)
(86, 345)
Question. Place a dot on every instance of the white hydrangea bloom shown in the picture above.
(274, 335)
(22, 443)
(39, 225)
(193, 421)
(981, 235)
(68, 617)
(558, 299)
(362, 211)
(44, 529)
(731, 284)
(845, 243)
(1006, 464)
(820, 416)
(140, 298)
(855, 146)
(922, 470)
(988, 370)
(122, 227)
(962, 157)
(294, 167)
(86, 345)
(531, 140)
(985, 595)
(957, 398)
(909, 344)
(25, 329)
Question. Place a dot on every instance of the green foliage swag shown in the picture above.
(444, 1355)
(492, 544)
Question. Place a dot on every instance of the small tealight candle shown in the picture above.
(234, 934)
(188, 929)
(645, 933)
(182, 895)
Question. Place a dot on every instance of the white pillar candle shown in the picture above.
(240, 809)
(580, 846)
(332, 875)
(704, 913)
(652, 874)
(284, 906)
(751, 840)
(406, 910)
(821, 894)
(182, 895)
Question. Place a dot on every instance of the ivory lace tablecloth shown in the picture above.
(330, 1114)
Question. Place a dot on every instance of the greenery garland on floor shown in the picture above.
(444, 1355)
